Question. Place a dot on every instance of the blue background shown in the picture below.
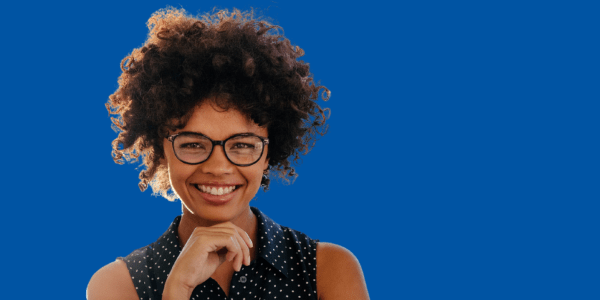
(473, 126)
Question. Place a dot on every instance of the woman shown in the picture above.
(214, 107)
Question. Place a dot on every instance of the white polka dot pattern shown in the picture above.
(285, 267)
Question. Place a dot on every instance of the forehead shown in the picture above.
(218, 123)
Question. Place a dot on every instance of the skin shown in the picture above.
(218, 239)
(213, 227)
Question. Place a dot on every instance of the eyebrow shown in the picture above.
(235, 134)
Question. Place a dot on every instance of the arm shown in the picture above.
(339, 275)
(197, 261)
(112, 282)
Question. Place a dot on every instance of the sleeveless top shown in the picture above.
(285, 267)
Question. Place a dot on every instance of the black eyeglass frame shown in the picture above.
(265, 141)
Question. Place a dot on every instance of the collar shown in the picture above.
(272, 246)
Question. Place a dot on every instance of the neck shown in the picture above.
(189, 221)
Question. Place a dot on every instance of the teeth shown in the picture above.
(216, 191)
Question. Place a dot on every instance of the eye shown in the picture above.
(192, 146)
(242, 146)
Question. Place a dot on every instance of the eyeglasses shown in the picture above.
(242, 150)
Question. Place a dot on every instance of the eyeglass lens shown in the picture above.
(240, 150)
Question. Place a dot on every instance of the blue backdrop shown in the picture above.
(474, 124)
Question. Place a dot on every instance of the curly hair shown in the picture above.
(232, 59)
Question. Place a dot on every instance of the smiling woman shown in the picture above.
(215, 106)
(201, 186)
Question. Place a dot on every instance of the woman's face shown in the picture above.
(189, 181)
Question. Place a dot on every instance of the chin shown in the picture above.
(218, 214)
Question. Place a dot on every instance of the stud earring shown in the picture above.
(265, 179)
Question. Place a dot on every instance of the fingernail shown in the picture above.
(251, 244)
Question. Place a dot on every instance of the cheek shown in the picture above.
(254, 178)
(178, 172)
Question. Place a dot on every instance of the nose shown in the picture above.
(217, 164)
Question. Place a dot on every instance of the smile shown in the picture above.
(216, 191)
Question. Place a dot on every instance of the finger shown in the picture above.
(226, 245)
(230, 255)
(244, 235)
(239, 257)
(227, 225)
(236, 247)
(235, 253)
(220, 230)
(245, 250)
(241, 254)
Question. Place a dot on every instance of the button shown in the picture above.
(243, 279)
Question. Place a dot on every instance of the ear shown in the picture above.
(163, 160)
(267, 165)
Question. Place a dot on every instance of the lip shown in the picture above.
(216, 199)
(217, 184)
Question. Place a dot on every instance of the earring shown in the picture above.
(265, 179)
(265, 176)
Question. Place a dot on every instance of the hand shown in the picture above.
(206, 249)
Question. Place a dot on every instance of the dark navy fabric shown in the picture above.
(285, 267)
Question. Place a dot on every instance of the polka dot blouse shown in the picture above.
(285, 267)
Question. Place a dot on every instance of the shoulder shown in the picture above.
(112, 282)
(339, 275)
